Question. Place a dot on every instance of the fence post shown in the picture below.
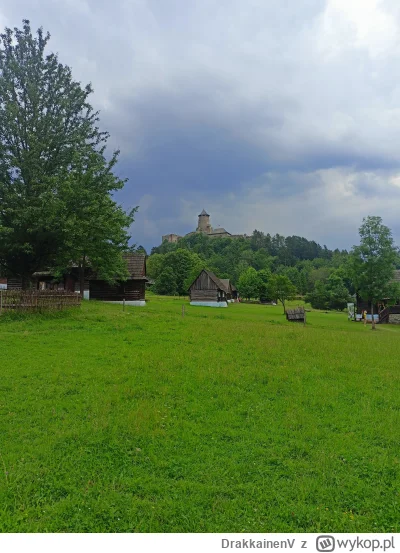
(183, 310)
(123, 305)
(1, 302)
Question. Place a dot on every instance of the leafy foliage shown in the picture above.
(302, 261)
(250, 283)
(372, 263)
(282, 289)
(165, 283)
(331, 294)
(55, 182)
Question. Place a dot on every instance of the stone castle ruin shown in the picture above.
(204, 227)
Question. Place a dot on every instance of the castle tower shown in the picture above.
(204, 223)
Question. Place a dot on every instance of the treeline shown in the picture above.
(252, 264)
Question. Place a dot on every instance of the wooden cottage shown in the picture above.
(45, 280)
(228, 287)
(208, 290)
(13, 283)
(133, 290)
(386, 310)
(235, 293)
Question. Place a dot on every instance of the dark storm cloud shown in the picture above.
(258, 111)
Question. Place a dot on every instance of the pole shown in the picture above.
(1, 302)
(123, 305)
(183, 310)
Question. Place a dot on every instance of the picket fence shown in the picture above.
(37, 300)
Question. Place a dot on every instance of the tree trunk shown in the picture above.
(372, 315)
(82, 276)
(284, 308)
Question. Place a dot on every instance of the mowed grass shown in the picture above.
(226, 420)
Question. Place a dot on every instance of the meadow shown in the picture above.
(225, 420)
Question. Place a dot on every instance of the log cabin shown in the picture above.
(386, 310)
(227, 283)
(235, 293)
(208, 290)
(131, 291)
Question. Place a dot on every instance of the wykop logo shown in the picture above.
(325, 544)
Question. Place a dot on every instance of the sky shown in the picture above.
(278, 116)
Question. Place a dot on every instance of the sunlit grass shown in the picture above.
(222, 420)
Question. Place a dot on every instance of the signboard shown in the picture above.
(350, 311)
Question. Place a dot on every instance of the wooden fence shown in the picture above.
(37, 300)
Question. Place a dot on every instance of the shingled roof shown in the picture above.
(136, 265)
(227, 284)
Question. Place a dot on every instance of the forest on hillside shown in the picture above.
(256, 265)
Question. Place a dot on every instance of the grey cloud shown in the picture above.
(249, 107)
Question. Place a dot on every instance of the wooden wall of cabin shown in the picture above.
(366, 306)
(204, 295)
(131, 290)
(203, 282)
(204, 289)
(14, 284)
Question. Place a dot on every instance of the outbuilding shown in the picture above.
(132, 290)
(208, 290)
(228, 287)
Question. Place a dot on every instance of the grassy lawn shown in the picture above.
(224, 420)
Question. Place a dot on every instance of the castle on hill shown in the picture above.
(204, 227)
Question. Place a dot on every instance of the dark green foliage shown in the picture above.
(55, 182)
(319, 296)
(281, 288)
(302, 261)
(372, 263)
(264, 278)
(165, 283)
(183, 264)
(331, 294)
(250, 284)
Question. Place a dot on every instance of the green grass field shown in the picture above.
(224, 420)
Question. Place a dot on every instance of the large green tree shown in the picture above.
(250, 284)
(183, 263)
(55, 181)
(372, 263)
(281, 288)
(165, 283)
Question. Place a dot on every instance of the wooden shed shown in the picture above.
(235, 293)
(133, 290)
(298, 315)
(208, 290)
(228, 287)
